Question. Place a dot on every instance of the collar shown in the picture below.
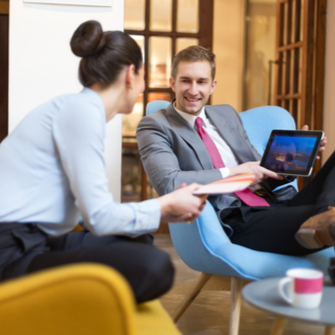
(191, 118)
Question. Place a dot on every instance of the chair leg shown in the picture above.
(329, 331)
(278, 326)
(235, 305)
(203, 278)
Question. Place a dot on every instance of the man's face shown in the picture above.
(193, 86)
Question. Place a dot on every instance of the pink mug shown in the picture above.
(304, 288)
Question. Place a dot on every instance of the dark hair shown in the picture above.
(104, 54)
(194, 53)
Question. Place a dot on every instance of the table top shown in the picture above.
(263, 294)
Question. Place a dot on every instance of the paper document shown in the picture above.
(227, 185)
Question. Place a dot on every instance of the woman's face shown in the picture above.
(135, 89)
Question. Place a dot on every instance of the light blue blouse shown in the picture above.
(52, 172)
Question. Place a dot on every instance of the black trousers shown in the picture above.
(148, 270)
(273, 228)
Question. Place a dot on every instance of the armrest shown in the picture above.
(74, 299)
(188, 239)
(204, 246)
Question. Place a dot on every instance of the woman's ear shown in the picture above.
(130, 76)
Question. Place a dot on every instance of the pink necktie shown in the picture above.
(247, 196)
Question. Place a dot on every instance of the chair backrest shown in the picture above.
(156, 105)
(258, 123)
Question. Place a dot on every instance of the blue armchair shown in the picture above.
(204, 246)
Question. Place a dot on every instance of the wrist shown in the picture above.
(233, 170)
(164, 201)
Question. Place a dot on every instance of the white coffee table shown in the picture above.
(263, 294)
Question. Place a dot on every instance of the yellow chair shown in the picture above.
(81, 299)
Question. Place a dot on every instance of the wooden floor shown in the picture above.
(209, 313)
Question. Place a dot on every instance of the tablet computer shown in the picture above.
(292, 152)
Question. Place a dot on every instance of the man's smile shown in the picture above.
(192, 99)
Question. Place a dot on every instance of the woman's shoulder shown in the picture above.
(80, 113)
(86, 99)
(87, 104)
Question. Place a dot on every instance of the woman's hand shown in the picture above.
(181, 205)
(259, 172)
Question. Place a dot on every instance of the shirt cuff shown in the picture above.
(224, 172)
(150, 218)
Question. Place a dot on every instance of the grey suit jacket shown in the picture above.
(172, 152)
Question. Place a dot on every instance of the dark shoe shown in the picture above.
(318, 230)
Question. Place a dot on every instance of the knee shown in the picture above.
(163, 272)
(158, 275)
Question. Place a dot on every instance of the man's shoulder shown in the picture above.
(223, 113)
(221, 108)
(155, 123)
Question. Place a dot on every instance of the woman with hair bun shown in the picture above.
(52, 176)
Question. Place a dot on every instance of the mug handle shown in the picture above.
(281, 291)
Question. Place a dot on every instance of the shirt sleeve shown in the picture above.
(79, 131)
(224, 172)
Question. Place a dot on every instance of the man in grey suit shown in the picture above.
(174, 152)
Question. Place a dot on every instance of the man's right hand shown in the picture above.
(259, 172)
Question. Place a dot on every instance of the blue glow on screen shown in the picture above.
(289, 153)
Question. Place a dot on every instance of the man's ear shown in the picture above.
(130, 76)
(173, 84)
(214, 83)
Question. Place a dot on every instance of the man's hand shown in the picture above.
(259, 172)
(181, 205)
(323, 142)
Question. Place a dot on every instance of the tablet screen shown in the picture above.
(292, 152)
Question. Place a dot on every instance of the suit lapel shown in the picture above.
(189, 135)
(230, 134)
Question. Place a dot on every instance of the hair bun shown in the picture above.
(88, 39)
